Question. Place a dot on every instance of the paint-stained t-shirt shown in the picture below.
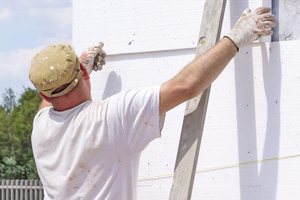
(92, 151)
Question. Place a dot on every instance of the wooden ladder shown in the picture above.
(195, 112)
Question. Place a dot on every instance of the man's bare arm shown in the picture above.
(196, 76)
(203, 70)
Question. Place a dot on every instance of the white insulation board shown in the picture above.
(250, 147)
(144, 26)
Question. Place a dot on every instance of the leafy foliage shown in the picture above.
(9, 169)
(9, 101)
(16, 117)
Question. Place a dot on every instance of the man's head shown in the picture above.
(56, 70)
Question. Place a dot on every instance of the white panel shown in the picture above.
(143, 26)
(253, 115)
(254, 108)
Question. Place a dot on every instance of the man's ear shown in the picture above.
(45, 97)
(85, 73)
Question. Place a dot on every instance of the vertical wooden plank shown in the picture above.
(7, 189)
(17, 188)
(275, 11)
(26, 189)
(36, 188)
(2, 189)
(287, 20)
(12, 189)
(31, 189)
(192, 129)
(40, 190)
(21, 189)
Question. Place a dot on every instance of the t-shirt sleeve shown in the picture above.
(138, 110)
(39, 114)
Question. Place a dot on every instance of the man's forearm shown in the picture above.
(203, 70)
(200, 73)
(197, 75)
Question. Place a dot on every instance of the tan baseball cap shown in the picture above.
(55, 66)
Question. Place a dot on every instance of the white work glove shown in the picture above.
(251, 26)
(93, 58)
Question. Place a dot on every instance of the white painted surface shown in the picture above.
(253, 112)
(144, 26)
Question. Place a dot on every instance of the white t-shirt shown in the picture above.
(92, 151)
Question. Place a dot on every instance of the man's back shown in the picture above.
(92, 151)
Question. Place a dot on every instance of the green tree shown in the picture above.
(16, 118)
(9, 98)
(8, 139)
(5, 149)
(24, 114)
(9, 169)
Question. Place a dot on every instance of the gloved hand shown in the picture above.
(251, 26)
(93, 58)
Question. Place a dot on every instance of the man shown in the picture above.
(91, 150)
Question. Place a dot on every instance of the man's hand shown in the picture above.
(93, 58)
(251, 26)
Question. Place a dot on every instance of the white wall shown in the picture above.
(250, 148)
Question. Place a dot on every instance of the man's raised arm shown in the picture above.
(203, 70)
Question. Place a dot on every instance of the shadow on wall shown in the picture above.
(253, 179)
(113, 85)
(272, 76)
(246, 123)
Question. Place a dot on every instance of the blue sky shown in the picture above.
(27, 26)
